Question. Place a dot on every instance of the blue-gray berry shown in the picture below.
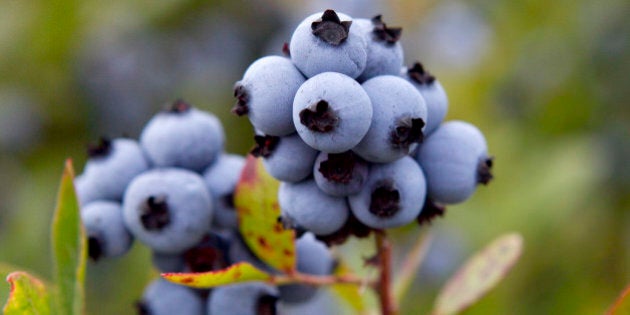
(221, 178)
(432, 92)
(397, 122)
(393, 195)
(168, 262)
(105, 229)
(313, 258)
(340, 174)
(112, 164)
(168, 209)
(326, 41)
(287, 158)
(332, 112)
(265, 94)
(384, 51)
(303, 204)
(250, 298)
(165, 298)
(455, 161)
(183, 137)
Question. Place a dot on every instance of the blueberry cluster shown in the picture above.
(173, 191)
(357, 139)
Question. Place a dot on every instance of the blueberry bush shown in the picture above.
(349, 144)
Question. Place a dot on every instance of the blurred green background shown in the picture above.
(547, 82)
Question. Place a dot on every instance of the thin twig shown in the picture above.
(384, 289)
(316, 279)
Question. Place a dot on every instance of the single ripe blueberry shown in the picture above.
(455, 161)
(183, 137)
(250, 298)
(332, 112)
(165, 298)
(303, 204)
(112, 164)
(393, 195)
(313, 258)
(398, 120)
(287, 158)
(221, 178)
(340, 174)
(168, 262)
(105, 229)
(384, 51)
(432, 92)
(265, 94)
(168, 209)
(326, 41)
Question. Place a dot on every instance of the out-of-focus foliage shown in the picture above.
(545, 81)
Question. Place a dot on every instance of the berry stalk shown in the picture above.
(384, 289)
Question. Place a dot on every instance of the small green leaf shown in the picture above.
(256, 200)
(28, 295)
(351, 294)
(480, 274)
(69, 247)
(241, 272)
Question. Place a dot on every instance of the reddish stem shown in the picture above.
(384, 289)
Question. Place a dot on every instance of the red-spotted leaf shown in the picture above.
(256, 200)
(622, 304)
(69, 247)
(480, 274)
(241, 272)
(28, 295)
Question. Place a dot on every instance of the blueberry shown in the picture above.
(314, 258)
(287, 158)
(168, 209)
(303, 204)
(331, 112)
(327, 42)
(221, 178)
(106, 231)
(165, 298)
(398, 120)
(183, 137)
(240, 252)
(250, 298)
(112, 164)
(455, 160)
(168, 262)
(432, 92)
(340, 174)
(266, 93)
(384, 52)
(392, 196)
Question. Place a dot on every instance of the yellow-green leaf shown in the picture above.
(256, 200)
(480, 274)
(28, 295)
(622, 304)
(351, 294)
(241, 272)
(69, 247)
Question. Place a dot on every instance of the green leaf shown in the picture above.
(28, 295)
(351, 294)
(480, 274)
(256, 200)
(241, 272)
(69, 247)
